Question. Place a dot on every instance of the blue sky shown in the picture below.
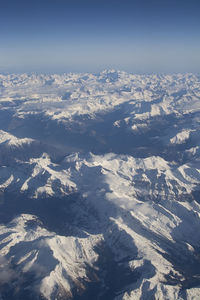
(139, 36)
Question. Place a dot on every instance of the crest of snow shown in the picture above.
(11, 140)
(181, 137)
(47, 255)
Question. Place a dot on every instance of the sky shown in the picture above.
(138, 36)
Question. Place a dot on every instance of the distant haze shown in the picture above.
(140, 36)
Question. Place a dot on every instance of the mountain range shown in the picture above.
(100, 186)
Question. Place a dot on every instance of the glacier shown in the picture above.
(100, 186)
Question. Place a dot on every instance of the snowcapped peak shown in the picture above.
(11, 140)
(109, 71)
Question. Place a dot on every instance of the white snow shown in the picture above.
(143, 206)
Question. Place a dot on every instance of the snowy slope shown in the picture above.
(99, 186)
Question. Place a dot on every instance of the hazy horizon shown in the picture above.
(64, 36)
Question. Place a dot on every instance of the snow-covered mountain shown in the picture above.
(99, 186)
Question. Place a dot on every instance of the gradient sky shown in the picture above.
(139, 36)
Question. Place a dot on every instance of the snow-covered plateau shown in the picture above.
(100, 186)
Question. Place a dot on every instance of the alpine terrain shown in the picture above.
(100, 186)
